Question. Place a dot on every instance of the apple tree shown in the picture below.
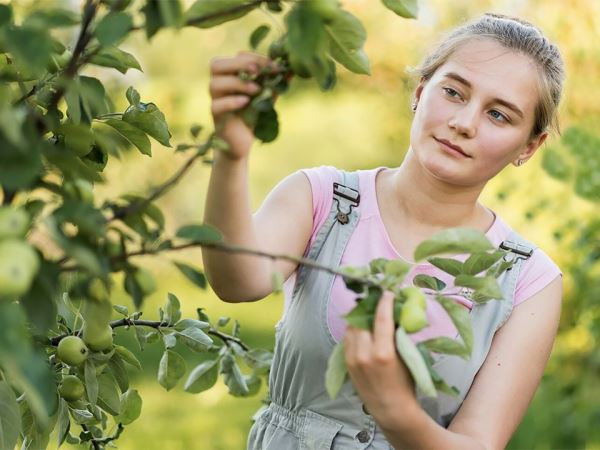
(60, 249)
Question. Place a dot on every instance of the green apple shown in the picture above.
(98, 339)
(71, 388)
(413, 317)
(326, 9)
(14, 222)
(414, 294)
(72, 350)
(19, 264)
(97, 290)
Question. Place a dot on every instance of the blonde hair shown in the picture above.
(518, 35)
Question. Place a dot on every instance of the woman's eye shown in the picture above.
(451, 92)
(499, 116)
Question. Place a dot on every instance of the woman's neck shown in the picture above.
(427, 202)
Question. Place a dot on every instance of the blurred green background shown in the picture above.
(364, 123)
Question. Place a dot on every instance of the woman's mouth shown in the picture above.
(449, 147)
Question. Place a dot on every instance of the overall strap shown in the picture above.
(486, 319)
(341, 221)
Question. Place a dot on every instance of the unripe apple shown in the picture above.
(72, 351)
(98, 339)
(14, 222)
(326, 9)
(19, 264)
(414, 294)
(413, 317)
(71, 388)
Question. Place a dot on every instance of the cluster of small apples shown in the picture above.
(19, 262)
(413, 315)
(74, 351)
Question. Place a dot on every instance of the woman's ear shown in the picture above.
(532, 146)
(419, 90)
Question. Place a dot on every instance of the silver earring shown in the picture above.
(520, 162)
(414, 106)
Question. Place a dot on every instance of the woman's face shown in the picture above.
(481, 100)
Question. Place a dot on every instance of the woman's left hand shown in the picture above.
(380, 378)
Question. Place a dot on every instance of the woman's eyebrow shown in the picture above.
(467, 83)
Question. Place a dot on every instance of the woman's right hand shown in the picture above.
(230, 94)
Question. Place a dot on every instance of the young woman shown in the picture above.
(487, 98)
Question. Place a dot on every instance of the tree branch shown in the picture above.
(135, 207)
(226, 338)
(89, 12)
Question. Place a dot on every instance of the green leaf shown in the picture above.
(128, 356)
(78, 138)
(91, 381)
(203, 377)
(171, 369)
(108, 394)
(170, 13)
(113, 27)
(63, 423)
(233, 377)
(447, 346)
(30, 46)
(148, 118)
(131, 407)
(448, 265)
(6, 14)
(266, 127)
(415, 363)
(10, 417)
(202, 234)
(25, 366)
(51, 18)
(460, 318)
(117, 366)
(478, 262)
(133, 96)
(115, 58)
(194, 275)
(170, 340)
(404, 8)
(453, 241)
(94, 100)
(121, 310)
(346, 38)
(195, 339)
(429, 282)
(191, 323)
(35, 430)
(172, 309)
(208, 13)
(337, 372)
(258, 35)
(486, 288)
(259, 360)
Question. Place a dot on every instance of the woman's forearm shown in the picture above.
(409, 427)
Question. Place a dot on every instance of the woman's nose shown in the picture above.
(464, 121)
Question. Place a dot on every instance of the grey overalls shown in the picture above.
(301, 415)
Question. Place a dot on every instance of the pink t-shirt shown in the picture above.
(370, 240)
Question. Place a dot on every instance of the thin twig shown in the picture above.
(159, 191)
